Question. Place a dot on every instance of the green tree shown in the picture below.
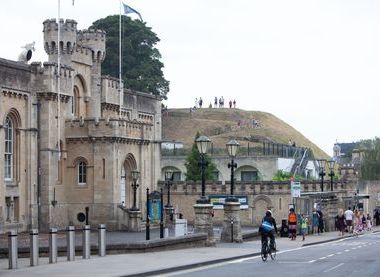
(370, 167)
(192, 165)
(141, 65)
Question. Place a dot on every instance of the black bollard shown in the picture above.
(162, 215)
(147, 224)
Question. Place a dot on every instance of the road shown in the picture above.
(357, 256)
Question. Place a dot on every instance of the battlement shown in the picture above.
(49, 68)
(51, 24)
(105, 129)
(91, 34)
(110, 90)
(68, 36)
(96, 40)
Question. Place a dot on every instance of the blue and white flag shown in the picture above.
(128, 9)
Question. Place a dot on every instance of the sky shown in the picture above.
(313, 63)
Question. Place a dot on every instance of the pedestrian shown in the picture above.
(292, 222)
(215, 102)
(376, 216)
(196, 103)
(348, 214)
(315, 221)
(234, 104)
(320, 221)
(230, 103)
(220, 102)
(304, 224)
(200, 102)
(369, 222)
(358, 223)
(340, 225)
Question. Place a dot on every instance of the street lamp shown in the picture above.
(232, 147)
(135, 176)
(168, 183)
(331, 174)
(203, 144)
(322, 165)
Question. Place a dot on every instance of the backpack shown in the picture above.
(266, 227)
(292, 218)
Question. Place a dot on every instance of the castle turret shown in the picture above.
(68, 38)
(96, 41)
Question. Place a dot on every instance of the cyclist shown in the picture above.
(267, 229)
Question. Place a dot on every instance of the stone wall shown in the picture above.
(261, 196)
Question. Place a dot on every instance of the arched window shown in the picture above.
(82, 173)
(9, 149)
(75, 102)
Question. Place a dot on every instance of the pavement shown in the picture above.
(156, 263)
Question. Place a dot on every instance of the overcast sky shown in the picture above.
(314, 64)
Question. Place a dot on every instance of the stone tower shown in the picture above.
(68, 38)
(95, 40)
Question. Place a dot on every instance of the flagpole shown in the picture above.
(120, 85)
(59, 80)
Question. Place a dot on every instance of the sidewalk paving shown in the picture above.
(154, 262)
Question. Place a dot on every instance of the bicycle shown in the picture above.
(266, 250)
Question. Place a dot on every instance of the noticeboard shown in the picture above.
(154, 206)
(218, 201)
(295, 188)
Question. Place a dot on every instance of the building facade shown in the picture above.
(68, 141)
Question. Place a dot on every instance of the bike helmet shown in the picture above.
(268, 213)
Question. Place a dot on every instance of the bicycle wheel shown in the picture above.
(264, 251)
(273, 252)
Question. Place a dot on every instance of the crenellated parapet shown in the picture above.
(110, 90)
(45, 81)
(68, 36)
(102, 128)
(96, 41)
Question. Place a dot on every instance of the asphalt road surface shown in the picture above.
(357, 256)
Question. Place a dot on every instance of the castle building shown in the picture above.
(68, 141)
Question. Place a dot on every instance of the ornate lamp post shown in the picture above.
(331, 174)
(203, 144)
(322, 165)
(135, 177)
(168, 183)
(232, 147)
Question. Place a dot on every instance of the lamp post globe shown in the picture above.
(331, 164)
(232, 148)
(203, 143)
(135, 176)
(168, 183)
(322, 165)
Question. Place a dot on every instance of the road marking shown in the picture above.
(347, 250)
(335, 267)
(339, 253)
(322, 258)
(290, 262)
(330, 255)
(312, 261)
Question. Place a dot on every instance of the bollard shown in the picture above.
(86, 242)
(53, 246)
(34, 247)
(232, 230)
(70, 242)
(102, 240)
(12, 249)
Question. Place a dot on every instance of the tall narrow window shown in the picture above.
(75, 103)
(8, 155)
(104, 168)
(82, 172)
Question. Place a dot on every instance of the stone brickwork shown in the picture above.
(261, 197)
(76, 140)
